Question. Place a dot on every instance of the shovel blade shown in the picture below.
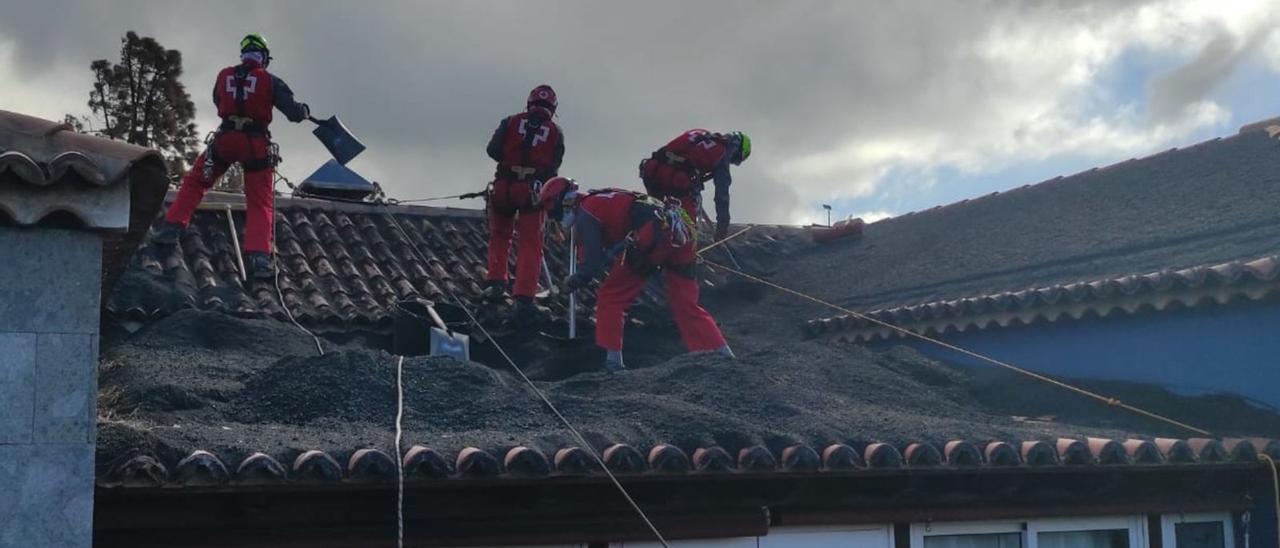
(334, 136)
(456, 346)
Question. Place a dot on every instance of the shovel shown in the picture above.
(334, 136)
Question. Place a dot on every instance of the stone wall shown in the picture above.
(49, 311)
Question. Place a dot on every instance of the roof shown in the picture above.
(52, 176)
(1188, 226)
(202, 468)
(342, 265)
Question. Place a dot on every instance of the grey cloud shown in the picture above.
(424, 83)
(1172, 93)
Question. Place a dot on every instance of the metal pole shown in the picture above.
(235, 243)
(573, 295)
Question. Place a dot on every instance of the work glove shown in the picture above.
(577, 281)
(306, 110)
(722, 230)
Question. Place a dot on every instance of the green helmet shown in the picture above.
(254, 42)
(744, 146)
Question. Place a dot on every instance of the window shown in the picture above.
(967, 535)
(1197, 530)
(1107, 532)
(875, 536)
(1118, 532)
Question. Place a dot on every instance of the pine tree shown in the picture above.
(141, 100)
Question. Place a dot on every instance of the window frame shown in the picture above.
(884, 529)
(1169, 533)
(1136, 525)
(948, 528)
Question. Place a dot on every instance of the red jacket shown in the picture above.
(527, 146)
(605, 218)
(248, 91)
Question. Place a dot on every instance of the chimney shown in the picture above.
(72, 210)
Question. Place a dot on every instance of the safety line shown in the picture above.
(1105, 399)
(730, 237)
(399, 457)
(275, 259)
(1275, 487)
(576, 434)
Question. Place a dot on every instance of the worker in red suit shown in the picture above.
(528, 148)
(245, 95)
(681, 169)
(633, 236)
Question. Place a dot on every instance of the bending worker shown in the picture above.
(681, 169)
(529, 148)
(633, 236)
(244, 95)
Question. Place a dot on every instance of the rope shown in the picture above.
(1275, 488)
(569, 426)
(730, 237)
(275, 257)
(1081, 391)
(399, 458)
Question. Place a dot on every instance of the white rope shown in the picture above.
(285, 306)
(275, 258)
(577, 435)
(399, 458)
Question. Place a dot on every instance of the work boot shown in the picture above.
(167, 235)
(613, 361)
(527, 313)
(260, 266)
(495, 291)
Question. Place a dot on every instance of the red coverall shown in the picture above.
(681, 168)
(529, 148)
(244, 95)
(603, 221)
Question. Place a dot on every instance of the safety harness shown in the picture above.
(679, 162)
(241, 122)
(522, 172)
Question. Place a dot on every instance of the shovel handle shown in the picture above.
(435, 318)
(315, 120)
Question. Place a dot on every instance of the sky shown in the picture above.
(877, 108)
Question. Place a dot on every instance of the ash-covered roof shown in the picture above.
(1154, 230)
(341, 265)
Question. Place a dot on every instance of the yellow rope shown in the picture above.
(1107, 400)
(1275, 488)
(730, 237)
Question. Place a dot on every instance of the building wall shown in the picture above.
(49, 305)
(1203, 349)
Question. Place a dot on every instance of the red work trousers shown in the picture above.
(230, 147)
(621, 288)
(504, 217)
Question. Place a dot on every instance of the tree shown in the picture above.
(141, 100)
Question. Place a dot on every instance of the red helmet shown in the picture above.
(552, 194)
(543, 96)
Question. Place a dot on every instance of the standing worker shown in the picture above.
(634, 236)
(529, 148)
(244, 95)
(682, 167)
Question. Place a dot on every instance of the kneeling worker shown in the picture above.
(633, 236)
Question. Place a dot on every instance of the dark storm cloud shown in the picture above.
(424, 83)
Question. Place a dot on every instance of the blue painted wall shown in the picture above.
(1232, 348)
